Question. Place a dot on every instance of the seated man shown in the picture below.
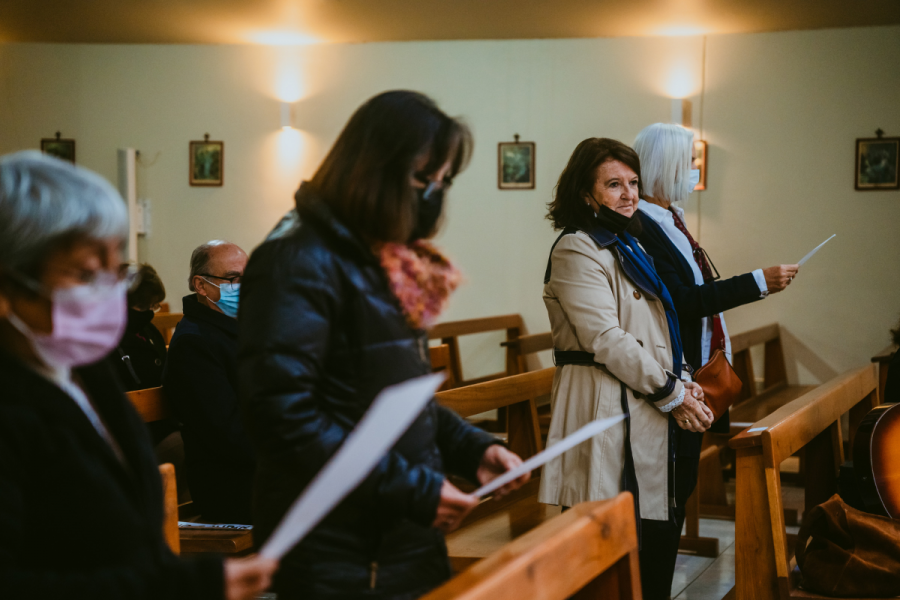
(200, 381)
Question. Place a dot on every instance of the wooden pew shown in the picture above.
(883, 360)
(589, 552)
(152, 406)
(752, 406)
(440, 361)
(449, 333)
(170, 507)
(764, 565)
(493, 523)
(166, 322)
(518, 350)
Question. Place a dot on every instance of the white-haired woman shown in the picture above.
(80, 493)
(699, 295)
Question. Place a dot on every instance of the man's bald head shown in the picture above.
(216, 258)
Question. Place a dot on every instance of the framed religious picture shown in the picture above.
(699, 162)
(58, 147)
(515, 165)
(877, 163)
(207, 162)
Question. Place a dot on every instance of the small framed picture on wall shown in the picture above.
(207, 162)
(877, 163)
(515, 165)
(58, 147)
(699, 162)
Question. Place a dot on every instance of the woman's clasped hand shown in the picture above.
(247, 578)
(693, 414)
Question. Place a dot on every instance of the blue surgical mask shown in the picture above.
(229, 296)
(694, 178)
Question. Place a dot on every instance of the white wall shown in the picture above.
(781, 112)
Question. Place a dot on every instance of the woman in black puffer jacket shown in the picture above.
(333, 309)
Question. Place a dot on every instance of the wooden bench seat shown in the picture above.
(812, 422)
(152, 406)
(589, 552)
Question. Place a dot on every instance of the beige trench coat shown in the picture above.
(594, 307)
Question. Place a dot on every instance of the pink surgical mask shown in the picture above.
(88, 322)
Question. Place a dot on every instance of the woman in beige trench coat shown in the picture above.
(616, 339)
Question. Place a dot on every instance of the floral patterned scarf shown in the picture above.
(421, 278)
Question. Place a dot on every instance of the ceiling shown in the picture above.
(309, 21)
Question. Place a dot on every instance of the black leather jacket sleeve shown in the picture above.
(462, 445)
(289, 310)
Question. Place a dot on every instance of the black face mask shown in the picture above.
(431, 203)
(615, 222)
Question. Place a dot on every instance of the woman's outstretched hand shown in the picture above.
(693, 414)
(247, 578)
(453, 507)
(496, 461)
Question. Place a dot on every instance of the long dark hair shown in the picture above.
(895, 334)
(365, 178)
(568, 208)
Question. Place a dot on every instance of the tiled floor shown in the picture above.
(698, 578)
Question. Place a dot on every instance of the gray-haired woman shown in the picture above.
(80, 494)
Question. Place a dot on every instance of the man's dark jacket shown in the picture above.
(75, 522)
(321, 336)
(200, 381)
(693, 303)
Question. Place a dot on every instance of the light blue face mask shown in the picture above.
(229, 296)
(694, 178)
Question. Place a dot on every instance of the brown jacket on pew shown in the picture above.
(75, 522)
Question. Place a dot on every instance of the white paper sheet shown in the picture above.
(389, 416)
(814, 250)
(567, 443)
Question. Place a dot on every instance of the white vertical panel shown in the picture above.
(128, 189)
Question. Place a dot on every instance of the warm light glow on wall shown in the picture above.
(681, 82)
(290, 147)
(282, 38)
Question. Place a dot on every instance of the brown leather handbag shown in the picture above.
(720, 383)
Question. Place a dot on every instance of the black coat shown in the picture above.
(200, 381)
(74, 521)
(321, 335)
(139, 362)
(693, 303)
(141, 356)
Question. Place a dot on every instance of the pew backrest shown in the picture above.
(883, 360)
(450, 332)
(812, 422)
(440, 361)
(521, 347)
(590, 551)
(774, 371)
(517, 393)
(151, 404)
(166, 322)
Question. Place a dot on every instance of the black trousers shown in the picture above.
(660, 539)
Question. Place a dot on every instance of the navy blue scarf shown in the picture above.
(644, 275)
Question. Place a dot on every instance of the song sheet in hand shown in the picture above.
(814, 250)
(567, 443)
(389, 416)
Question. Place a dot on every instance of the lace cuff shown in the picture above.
(674, 403)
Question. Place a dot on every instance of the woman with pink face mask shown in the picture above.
(80, 494)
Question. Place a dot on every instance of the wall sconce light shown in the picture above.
(681, 112)
(287, 115)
